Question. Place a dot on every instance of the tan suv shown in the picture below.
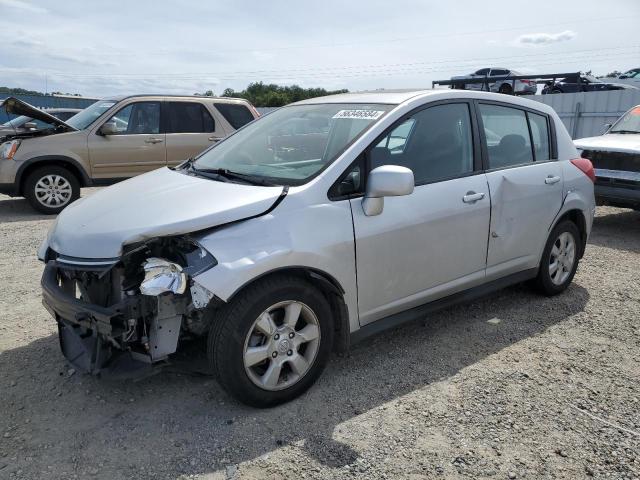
(109, 141)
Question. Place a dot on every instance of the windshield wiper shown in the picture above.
(625, 131)
(226, 173)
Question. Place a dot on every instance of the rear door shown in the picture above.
(137, 147)
(190, 128)
(525, 182)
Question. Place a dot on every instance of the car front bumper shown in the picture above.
(88, 332)
(617, 188)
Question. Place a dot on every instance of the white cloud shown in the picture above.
(20, 5)
(545, 38)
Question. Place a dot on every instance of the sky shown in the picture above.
(125, 47)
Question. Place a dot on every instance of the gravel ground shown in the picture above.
(512, 386)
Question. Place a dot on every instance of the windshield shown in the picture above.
(16, 122)
(292, 144)
(86, 117)
(629, 123)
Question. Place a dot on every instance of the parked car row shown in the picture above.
(503, 80)
(323, 222)
(109, 141)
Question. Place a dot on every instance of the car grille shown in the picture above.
(628, 162)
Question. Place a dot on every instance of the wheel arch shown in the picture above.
(32, 164)
(330, 288)
(576, 216)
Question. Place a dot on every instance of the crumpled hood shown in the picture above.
(611, 142)
(159, 203)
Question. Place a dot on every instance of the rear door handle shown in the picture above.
(215, 139)
(153, 140)
(472, 197)
(550, 180)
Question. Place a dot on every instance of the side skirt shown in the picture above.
(460, 297)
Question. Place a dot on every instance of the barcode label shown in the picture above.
(361, 114)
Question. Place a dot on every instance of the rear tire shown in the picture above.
(271, 343)
(559, 260)
(51, 188)
(506, 89)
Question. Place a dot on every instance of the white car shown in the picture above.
(616, 158)
(522, 86)
(280, 252)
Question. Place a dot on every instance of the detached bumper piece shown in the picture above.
(91, 336)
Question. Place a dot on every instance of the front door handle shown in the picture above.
(153, 140)
(550, 180)
(215, 139)
(472, 197)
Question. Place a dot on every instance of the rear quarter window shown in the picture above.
(236, 114)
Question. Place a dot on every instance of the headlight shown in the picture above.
(162, 276)
(8, 149)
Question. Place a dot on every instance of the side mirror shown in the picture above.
(606, 127)
(386, 181)
(30, 125)
(108, 128)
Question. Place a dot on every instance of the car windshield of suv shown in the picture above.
(16, 122)
(629, 123)
(292, 144)
(86, 117)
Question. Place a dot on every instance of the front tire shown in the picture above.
(51, 188)
(559, 259)
(270, 344)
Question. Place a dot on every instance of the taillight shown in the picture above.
(585, 165)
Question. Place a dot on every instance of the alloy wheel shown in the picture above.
(562, 258)
(281, 345)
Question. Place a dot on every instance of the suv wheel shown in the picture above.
(51, 188)
(271, 343)
(559, 259)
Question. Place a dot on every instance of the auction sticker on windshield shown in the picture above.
(361, 114)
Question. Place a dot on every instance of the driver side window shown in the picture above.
(137, 118)
(435, 143)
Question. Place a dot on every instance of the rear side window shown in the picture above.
(188, 117)
(236, 114)
(507, 135)
(540, 135)
(435, 143)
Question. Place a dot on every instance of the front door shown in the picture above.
(433, 242)
(136, 147)
(525, 184)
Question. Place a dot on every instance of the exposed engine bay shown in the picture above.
(128, 311)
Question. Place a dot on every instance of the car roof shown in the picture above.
(398, 97)
(179, 97)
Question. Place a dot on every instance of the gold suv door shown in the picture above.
(190, 128)
(128, 143)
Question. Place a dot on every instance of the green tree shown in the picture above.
(272, 95)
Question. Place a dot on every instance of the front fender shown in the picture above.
(316, 237)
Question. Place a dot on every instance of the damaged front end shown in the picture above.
(121, 316)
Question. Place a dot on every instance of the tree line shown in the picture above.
(272, 95)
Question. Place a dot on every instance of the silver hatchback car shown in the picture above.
(314, 227)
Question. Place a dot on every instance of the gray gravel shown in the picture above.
(512, 386)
